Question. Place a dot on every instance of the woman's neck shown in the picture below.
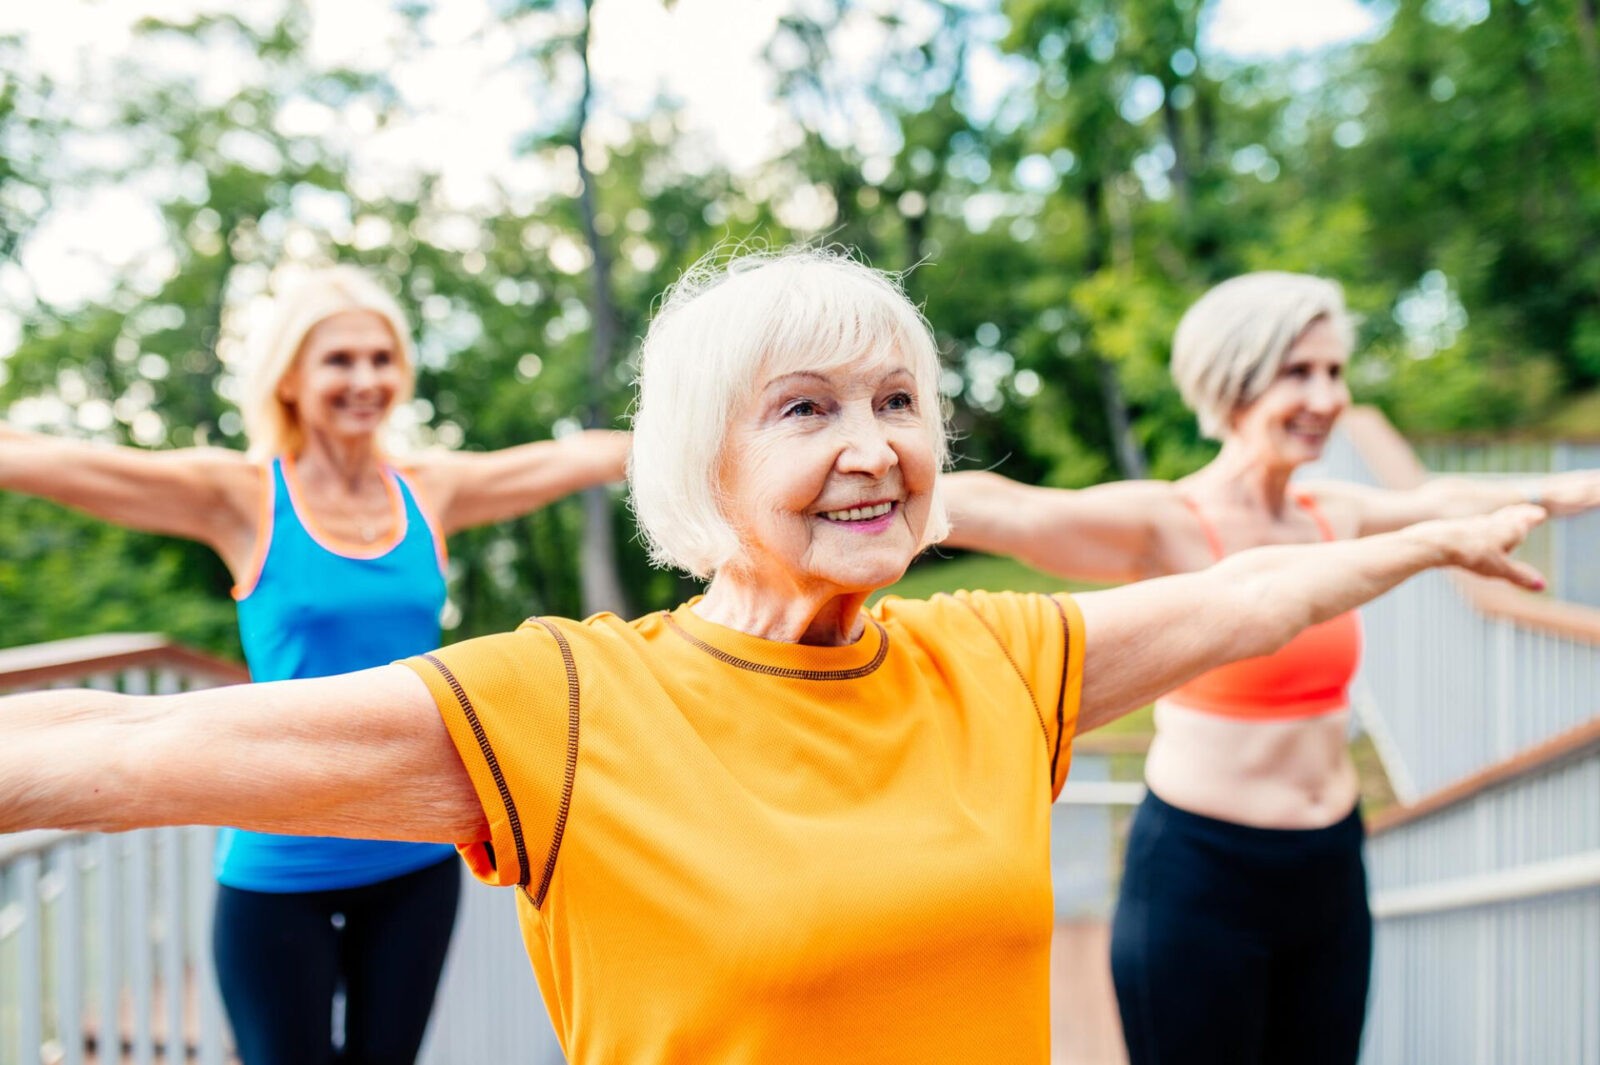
(790, 615)
(1245, 478)
(351, 466)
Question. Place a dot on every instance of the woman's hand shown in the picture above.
(1484, 544)
(1564, 494)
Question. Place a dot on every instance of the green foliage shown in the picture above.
(1446, 173)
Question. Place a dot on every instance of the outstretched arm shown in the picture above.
(1379, 510)
(1111, 532)
(475, 488)
(363, 755)
(1146, 639)
(205, 494)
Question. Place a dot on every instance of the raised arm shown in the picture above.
(1112, 532)
(1146, 639)
(1378, 510)
(361, 755)
(475, 488)
(204, 494)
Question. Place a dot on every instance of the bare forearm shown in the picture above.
(362, 755)
(1459, 497)
(596, 456)
(1281, 590)
(1150, 637)
(65, 760)
(984, 510)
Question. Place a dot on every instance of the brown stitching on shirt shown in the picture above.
(1044, 730)
(1061, 697)
(493, 763)
(571, 773)
(784, 671)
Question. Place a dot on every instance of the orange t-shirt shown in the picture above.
(734, 850)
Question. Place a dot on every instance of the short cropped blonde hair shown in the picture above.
(725, 325)
(271, 426)
(1231, 344)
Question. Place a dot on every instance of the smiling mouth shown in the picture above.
(876, 510)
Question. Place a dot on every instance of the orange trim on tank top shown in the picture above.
(338, 546)
(258, 551)
(1304, 500)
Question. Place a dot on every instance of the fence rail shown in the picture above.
(1485, 705)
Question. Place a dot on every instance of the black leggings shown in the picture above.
(281, 957)
(1236, 945)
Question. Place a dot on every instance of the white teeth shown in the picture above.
(859, 513)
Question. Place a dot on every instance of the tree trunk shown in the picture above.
(1173, 123)
(1588, 16)
(601, 583)
(1130, 456)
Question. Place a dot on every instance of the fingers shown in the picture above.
(1521, 519)
(1524, 575)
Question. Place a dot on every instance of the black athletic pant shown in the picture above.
(281, 957)
(1236, 945)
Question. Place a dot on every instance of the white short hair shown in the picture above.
(728, 322)
(271, 426)
(1231, 344)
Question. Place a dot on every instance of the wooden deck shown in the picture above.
(1084, 1029)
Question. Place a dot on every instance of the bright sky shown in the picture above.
(703, 52)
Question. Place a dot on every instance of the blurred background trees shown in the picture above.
(1447, 171)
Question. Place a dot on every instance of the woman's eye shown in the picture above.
(900, 401)
(803, 408)
(382, 358)
(1299, 373)
(1336, 372)
(338, 358)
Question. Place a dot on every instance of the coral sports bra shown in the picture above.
(1308, 676)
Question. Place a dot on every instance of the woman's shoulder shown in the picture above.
(1007, 615)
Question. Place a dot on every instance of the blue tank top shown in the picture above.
(319, 607)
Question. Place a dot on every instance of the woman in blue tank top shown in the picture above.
(338, 557)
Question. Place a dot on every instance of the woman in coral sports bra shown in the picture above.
(1242, 933)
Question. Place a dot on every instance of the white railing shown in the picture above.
(1457, 674)
(1483, 704)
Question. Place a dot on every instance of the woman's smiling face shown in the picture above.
(1290, 422)
(827, 475)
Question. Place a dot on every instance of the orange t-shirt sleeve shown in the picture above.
(511, 713)
(1043, 636)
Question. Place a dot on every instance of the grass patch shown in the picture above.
(1576, 418)
(931, 575)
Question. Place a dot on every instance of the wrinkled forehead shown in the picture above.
(869, 367)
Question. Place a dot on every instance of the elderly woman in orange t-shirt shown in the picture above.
(772, 823)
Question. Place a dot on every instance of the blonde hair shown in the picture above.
(1231, 344)
(728, 321)
(271, 425)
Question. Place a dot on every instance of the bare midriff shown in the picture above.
(1290, 773)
